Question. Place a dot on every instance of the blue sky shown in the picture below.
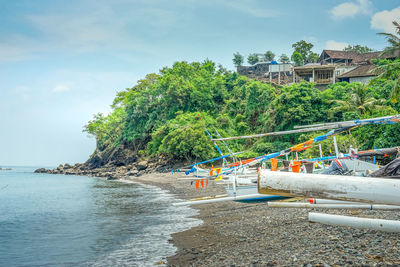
(63, 61)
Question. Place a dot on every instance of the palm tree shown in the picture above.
(391, 70)
(393, 39)
(359, 101)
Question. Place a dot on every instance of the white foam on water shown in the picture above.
(151, 245)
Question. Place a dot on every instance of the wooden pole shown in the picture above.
(336, 146)
(279, 74)
(318, 127)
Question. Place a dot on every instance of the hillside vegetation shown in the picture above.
(159, 115)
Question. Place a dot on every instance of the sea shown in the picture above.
(65, 220)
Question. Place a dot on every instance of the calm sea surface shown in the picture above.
(48, 220)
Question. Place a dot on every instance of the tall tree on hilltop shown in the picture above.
(269, 56)
(237, 59)
(252, 59)
(304, 49)
(284, 58)
(297, 58)
(358, 48)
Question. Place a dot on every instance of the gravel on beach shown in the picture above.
(243, 234)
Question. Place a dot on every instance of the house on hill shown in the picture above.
(362, 74)
(278, 73)
(335, 65)
(352, 57)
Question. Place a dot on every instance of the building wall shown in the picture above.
(341, 69)
(363, 80)
(280, 67)
(259, 69)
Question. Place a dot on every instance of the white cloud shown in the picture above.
(383, 20)
(61, 88)
(333, 45)
(350, 9)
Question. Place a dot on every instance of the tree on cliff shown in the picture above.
(252, 59)
(158, 116)
(269, 56)
(237, 59)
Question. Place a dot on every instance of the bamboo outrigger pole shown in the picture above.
(322, 126)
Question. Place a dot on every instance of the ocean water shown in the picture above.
(57, 220)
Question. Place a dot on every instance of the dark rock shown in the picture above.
(132, 173)
(142, 165)
(67, 166)
(40, 170)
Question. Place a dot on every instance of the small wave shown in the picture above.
(151, 245)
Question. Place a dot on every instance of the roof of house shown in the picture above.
(361, 71)
(355, 56)
(340, 54)
(315, 66)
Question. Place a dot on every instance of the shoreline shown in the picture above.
(251, 234)
(243, 234)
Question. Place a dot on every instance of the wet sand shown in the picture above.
(242, 234)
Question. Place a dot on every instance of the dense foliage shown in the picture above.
(160, 115)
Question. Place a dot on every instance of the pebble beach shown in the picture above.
(252, 234)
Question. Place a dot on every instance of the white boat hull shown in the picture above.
(347, 188)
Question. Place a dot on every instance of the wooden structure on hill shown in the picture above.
(362, 74)
(320, 74)
(352, 57)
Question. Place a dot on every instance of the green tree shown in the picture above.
(360, 101)
(312, 57)
(237, 59)
(392, 69)
(269, 56)
(393, 39)
(297, 58)
(304, 49)
(252, 59)
(159, 114)
(284, 58)
(358, 48)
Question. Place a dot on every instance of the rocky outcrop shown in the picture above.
(115, 163)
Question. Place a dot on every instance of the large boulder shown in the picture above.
(132, 173)
(67, 166)
(40, 170)
(142, 165)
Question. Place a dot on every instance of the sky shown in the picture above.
(61, 62)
